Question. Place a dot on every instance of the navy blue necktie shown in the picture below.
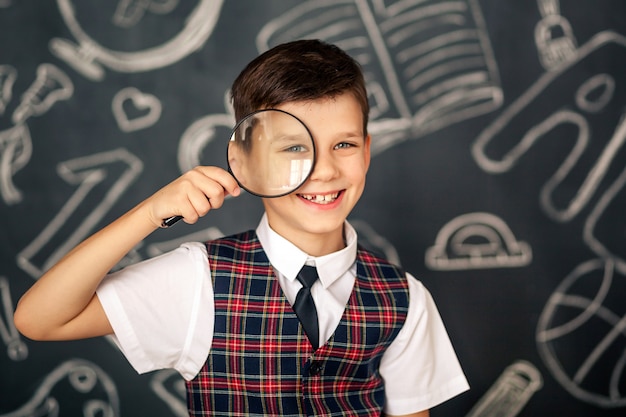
(304, 305)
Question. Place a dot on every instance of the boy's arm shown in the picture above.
(62, 304)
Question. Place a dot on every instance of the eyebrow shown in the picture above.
(350, 134)
(288, 139)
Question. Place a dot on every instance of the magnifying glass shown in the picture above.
(270, 153)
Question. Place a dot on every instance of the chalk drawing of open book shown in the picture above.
(428, 64)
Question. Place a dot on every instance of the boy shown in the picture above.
(221, 312)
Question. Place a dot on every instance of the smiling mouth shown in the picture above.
(320, 198)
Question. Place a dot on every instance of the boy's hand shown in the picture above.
(192, 195)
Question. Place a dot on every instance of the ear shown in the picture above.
(237, 165)
(367, 153)
(233, 164)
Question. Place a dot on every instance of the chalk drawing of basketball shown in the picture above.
(581, 334)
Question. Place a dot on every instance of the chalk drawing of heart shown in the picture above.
(146, 105)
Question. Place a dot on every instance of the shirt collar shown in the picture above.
(288, 259)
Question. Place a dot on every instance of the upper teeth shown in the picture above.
(321, 199)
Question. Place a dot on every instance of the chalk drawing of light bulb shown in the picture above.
(88, 56)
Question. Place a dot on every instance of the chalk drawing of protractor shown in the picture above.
(76, 385)
(583, 111)
(510, 393)
(427, 64)
(100, 181)
(477, 240)
(16, 348)
(89, 56)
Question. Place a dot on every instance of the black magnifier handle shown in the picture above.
(170, 221)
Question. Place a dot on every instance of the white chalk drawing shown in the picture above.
(524, 108)
(51, 85)
(581, 334)
(100, 181)
(146, 105)
(587, 109)
(8, 75)
(427, 64)
(16, 148)
(554, 36)
(88, 57)
(90, 386)
(202, 133)
(376, 241)
(511, 391)
(605, 219)
(169, 386)
(129, 12)
(16, 348)
(477, 240)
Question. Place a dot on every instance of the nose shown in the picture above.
(325, 168)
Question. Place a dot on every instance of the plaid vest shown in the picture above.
(261, 362)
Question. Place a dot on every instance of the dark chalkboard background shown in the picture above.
(498, 176)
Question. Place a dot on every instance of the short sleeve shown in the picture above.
(161, 310)
(420, 367)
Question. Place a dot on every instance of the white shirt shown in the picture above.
(162, 313)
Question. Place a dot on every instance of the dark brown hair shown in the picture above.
(301, 70)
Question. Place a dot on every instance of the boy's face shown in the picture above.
(315, 212)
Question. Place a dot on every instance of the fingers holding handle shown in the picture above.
(195, 193)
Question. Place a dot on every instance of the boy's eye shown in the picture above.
(296, 148)
(343, 145)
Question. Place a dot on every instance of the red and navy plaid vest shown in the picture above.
(261, 362)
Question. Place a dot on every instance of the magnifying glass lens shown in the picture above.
(271, 153)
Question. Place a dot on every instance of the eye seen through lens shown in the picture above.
(271, 153)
